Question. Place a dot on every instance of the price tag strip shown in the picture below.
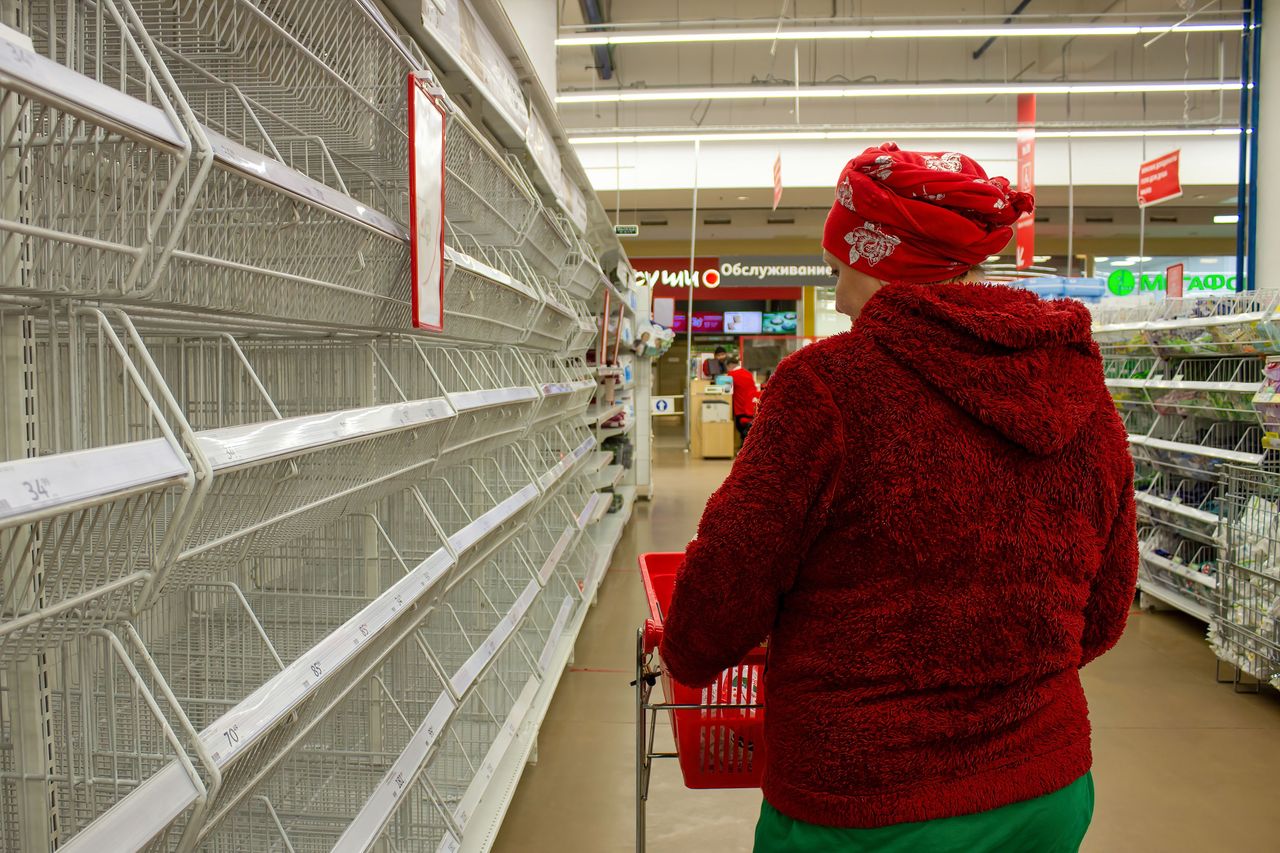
(506, 736)
(30, 72)
(382, 803)
(471, 265)
(40, 486)
(584, 517)
(557, 631)
(488, 650)
(557, 554)
(259, 167)
(561, 468)
(256, 443)
(467, 537)
(555, 389)
(465, 401)
(131, 822)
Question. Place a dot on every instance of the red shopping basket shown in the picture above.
(717, 746)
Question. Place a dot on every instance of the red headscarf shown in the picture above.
(910, 216)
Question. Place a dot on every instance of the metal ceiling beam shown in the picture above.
(592, 14)
(977, 54)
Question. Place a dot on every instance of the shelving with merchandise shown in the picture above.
(1194, 381)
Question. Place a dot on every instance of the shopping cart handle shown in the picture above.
(652, 635)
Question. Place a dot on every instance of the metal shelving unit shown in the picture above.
(276, 570)
(1193, 380)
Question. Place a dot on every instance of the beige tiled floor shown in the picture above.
(1181, 763)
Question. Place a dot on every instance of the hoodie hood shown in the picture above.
(1024, 366)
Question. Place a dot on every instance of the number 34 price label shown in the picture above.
(18, 493)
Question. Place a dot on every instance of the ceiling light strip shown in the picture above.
(862, 33)
(940, 134)
(752, 93)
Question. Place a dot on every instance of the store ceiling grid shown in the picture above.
(647, 176)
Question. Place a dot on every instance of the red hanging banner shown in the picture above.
(1158, 179)
(1025, 228)
(777, 181)
(1173, 281)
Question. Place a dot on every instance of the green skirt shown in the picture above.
(1054, 823)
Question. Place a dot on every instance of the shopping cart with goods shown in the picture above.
(718, 729)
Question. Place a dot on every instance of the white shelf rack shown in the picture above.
(277, 571)
(1186, 375)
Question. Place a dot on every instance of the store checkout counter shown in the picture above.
(711, 432)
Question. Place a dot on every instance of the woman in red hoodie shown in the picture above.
(932, 522)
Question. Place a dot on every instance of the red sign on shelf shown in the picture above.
(1173, 281)
(1158, 179)
(1025, 228)
(426, 202)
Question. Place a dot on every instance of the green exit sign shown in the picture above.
(627, 230)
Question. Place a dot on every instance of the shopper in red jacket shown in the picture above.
(746, 395)
(932, 522)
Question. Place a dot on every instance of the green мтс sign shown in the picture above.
(1124, 282)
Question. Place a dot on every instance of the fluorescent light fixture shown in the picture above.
(1209, 260)
(991, 259)
(1226, 219)
(943, 134)
(1123, 263)
(693, 36)
(752, 93)
(1039, 259)
(1101, 259)
(1133, 259)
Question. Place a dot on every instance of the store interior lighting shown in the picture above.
(751, 93)
(940, 133)
(1226, 219)
(860, 33)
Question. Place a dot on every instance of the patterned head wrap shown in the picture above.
(911, 216)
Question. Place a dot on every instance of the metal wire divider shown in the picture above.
(257, 538)
(1244, 630)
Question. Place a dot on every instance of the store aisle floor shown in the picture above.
(1181, 763)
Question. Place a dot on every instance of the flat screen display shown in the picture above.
(743, 322)
(708, 322)
(779, 323)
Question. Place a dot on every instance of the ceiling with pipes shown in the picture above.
(681, 66)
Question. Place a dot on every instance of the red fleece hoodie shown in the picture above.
(932, 520)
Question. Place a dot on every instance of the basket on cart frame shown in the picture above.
(718, 729)
(1245, 631)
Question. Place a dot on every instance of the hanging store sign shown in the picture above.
(1124, 282)
(739, 271)
(626, 230)
(1173, 280)
(1025, 228)
(426, 201)
(1159, 179)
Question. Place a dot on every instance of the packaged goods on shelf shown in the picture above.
(1197, 393)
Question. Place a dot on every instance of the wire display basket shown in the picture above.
(566, 388)
(93, 499)
(1244, 630)
(581, 275)
(547, 244)
(487, 294)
